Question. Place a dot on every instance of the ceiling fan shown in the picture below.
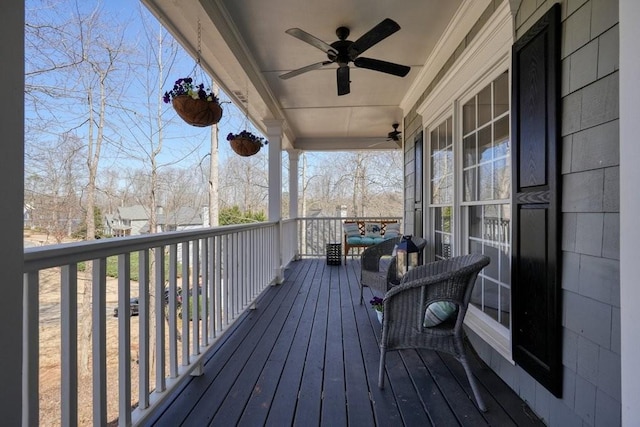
(394, 135)
(344, 51)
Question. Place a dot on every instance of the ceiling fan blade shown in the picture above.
(378, 33)
(382, 66)
(344, 84)
(304, 70)
(312, 40)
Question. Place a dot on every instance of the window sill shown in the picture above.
(497, 336)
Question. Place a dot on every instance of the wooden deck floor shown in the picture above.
(308, 355)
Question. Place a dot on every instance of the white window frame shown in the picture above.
(428, 205)
(485, 59)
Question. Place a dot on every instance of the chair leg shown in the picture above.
(473, 383)
(361, 292)
(383, 354)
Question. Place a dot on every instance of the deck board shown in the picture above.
(308, 355)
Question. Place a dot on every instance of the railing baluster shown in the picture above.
(161, 307)
(218, 282)
(204, 265)
(173, 321)
(196, 298)
(186, 304)
(31, 349)
(143, 328)
(69, 344)
(99, 338)
(211, 285)
(124, 340)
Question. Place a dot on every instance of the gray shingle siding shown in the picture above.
(590, 206)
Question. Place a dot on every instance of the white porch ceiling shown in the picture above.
(245, 49)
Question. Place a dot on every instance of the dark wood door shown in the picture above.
(536, 289)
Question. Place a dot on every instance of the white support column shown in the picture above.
(294, 156)
(11, 215)
(629, 208)
(274, 136)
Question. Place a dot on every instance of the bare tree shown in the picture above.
(244, 183)
(53, 185)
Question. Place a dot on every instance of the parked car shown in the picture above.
(134, 303)
(133, 308)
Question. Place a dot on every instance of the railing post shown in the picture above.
(69, 344)
(30, 349)
(99, 337)
(124, 340)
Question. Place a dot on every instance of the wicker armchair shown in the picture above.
(372, 273)
(405, 305)
(377, 275)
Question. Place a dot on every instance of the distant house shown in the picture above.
(183, 218)
(134, 220)
(126, 221)
(26, 212)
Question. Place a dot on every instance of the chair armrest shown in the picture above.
(370, 258)
(442, 280)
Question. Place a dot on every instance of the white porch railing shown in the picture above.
(316, 232)
(226, 268)
(232, 265)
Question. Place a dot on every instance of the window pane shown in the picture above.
(475, 221)
(435, 193)
(469, 116)
(485, 151)
(501, 180)
(492, 270)
(485, 179)
(469, 151)
(434, 141)
(436, 167)
(491, 304)
(501, 137)
(447, 190)
(505, 306)
(442, 228)
(448, 163)
(484, 106)
(505, 265)
(501, 94)
(470, 185)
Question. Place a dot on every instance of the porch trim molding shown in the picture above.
(629, 14)
(465, 18)
(490, 47)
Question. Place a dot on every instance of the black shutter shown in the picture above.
(536, 290)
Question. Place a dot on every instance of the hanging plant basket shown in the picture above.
(197, 112)
(245, 147)
(245, 143)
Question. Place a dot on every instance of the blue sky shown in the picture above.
(180, 140)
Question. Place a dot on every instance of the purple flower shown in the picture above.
(185, 86)
(377, 303)
(248, 135)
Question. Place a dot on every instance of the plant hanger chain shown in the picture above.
(246, 108)
(198, 64)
